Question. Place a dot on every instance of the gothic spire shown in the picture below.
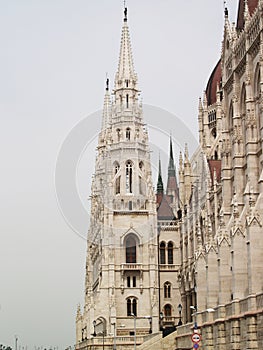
(106, 107)
(171, 168)
(160, 180)
(172, 187)
(125, 73)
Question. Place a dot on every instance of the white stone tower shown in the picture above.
(122, 253)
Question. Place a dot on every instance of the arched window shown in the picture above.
(118, 131)
(167, 310)
(118, 185)
(127, 101)
(117, 167)
(170, 253)
(230, 117)
(128, 177)
(167, 290)
(131, 306)
(162, 253)
(118, 179)
(128, 134)
(130, 250)
(141, 165)
(129, 303)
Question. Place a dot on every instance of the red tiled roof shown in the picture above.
(213, 81)
(252, 4)
(215, 165)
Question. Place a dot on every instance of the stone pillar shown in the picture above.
(251, 332)
(235, 335)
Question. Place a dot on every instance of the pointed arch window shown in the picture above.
(118, 132)
(162, 253)
(128, 177)
(118, 179)
(118, 185)
(170, 253)
(167, 290)
(131, 306)
(130, 250)
(167, 310)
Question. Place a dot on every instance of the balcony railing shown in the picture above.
(168, 267)
(131, 266)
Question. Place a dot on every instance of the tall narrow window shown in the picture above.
(118, 185)
(128, 134)
(128, 281)
(134, 281)
(130, 250)
(129, 303)
(131, 307)
(167, 290)
(128, 177)
(118, 131)
(167, 310)
(170, 253)
(127, 101)
(118, 179)
(162, 253)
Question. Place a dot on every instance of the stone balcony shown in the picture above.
(131, 267)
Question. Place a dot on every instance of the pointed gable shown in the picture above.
(164, 211)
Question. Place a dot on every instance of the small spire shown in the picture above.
(186, 155)
(106, 107)
(171, 168)
(200, 104)
(160, 180)
(181, 161)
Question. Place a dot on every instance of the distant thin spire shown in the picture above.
(171, 167)
(106, 106)
(160, 180)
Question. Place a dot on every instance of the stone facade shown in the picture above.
(221, 225)
(197, 244)
(123, 274)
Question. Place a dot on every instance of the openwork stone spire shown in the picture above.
(106, 107)
(125, 72)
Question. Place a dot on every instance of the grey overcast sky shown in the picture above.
(54, 55)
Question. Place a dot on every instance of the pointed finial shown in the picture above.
(186, 152)
(107, 84)
(226, 10)
(181, 160)
(125, 13)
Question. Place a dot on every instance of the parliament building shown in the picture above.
(172, 258)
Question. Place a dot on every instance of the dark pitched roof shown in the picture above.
(213, 81)
(164, 211)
